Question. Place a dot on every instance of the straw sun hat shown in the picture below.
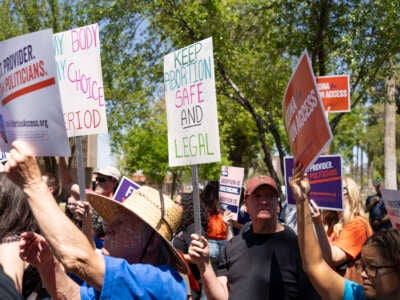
(152, 207)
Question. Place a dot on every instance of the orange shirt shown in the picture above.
(216, 227)
(353, 236)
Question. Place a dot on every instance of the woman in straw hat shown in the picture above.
(137, 261)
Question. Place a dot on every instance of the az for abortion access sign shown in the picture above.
(304, 116)
(335, 92)
(193, 136)
(80, 79)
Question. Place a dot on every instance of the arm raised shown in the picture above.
(69, 244)
(214, 287)
(314, 264)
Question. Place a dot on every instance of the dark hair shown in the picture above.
(188, 212)
(116, 183)
(15, 214)
(210, 196)
(387, 241)
(98, 224)
(52, 181)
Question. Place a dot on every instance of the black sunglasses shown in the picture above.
(101, 179)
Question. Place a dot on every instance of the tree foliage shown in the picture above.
(256, 46)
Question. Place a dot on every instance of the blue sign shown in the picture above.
(325, 177)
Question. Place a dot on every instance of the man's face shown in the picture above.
(126, 237)
(104, 185)
(262, 204)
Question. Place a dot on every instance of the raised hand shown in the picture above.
(199, 251)
(227, 217)
(35, 250)
(22, 167)
(315, 212)
(299, 184)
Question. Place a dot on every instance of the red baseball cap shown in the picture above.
(257, 181)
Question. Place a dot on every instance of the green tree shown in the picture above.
(256, 46)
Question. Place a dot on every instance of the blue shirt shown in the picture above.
(136, 281)
(353, 291)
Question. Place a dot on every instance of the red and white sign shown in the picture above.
(335, 92)
(30, 105)
(304, 116)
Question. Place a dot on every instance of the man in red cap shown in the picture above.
(263, 261)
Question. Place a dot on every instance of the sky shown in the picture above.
(104, 157)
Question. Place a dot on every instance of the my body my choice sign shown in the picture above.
(80, 80)
(190, 97)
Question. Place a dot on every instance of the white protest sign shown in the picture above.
(193, 136)
(4, 156)
(80, 79)
(230, 187)
(30, 108)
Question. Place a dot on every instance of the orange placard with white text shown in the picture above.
(335, 92)
(304, 116)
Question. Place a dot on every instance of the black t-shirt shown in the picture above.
(7, 287)
(265, 266)
(182, 242)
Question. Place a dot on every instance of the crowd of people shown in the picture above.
(146, 247)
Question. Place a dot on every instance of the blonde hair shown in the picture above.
(354, 207)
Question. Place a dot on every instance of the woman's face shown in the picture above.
(381, 280)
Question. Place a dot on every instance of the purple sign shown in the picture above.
(125, 189)
(325, 177)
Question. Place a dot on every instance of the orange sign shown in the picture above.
(304, 116)
(335, 92)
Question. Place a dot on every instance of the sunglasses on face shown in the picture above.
(101, 179)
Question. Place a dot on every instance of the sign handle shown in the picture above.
(196, 200)
(80, 169)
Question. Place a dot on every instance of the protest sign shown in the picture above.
(304, 117)
(391, 198)
(230, 187)
(193, 136)
(335, 92)
(325, 177)
(125, 189)
(3, 156)
(80, 79)
(30, 108)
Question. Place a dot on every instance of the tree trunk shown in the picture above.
(390, 137)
